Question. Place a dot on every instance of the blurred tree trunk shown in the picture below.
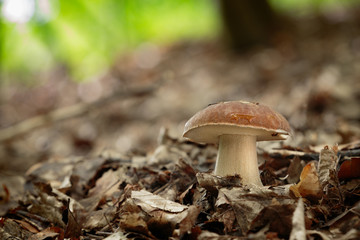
(247, 22)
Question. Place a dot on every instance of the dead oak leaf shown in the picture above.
(165, 214)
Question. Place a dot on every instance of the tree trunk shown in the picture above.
(247, 22)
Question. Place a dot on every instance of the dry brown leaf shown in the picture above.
(248, 203)
(276, 217)
(150, 202)
(116, 236)
(212, 182)
(350, 145)
(73, 225)
(188, 221)
(309, 186)
(328, 161)
(47, 210)
(27, 226)
(224, 212)
(11, 191)
(191, 196)
(11, 229)
(134, 222)
(352, 186)
(324, 235)
(350, 169)
(294, 170)
(228, 217)
(48, 233)
(165, 214)
(165, 154)
(53, 172)
(346, 221)
(108, 183)
(100, 218)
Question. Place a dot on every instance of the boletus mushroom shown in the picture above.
(236, 126)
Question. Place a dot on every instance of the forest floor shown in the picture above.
(106, 158)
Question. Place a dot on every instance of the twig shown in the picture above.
(313, 156)
(65, 113)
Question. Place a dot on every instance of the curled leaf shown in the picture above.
(328, 161)
(309, 185)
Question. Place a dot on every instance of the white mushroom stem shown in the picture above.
(237, 155)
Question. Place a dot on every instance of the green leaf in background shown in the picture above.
(86, 36)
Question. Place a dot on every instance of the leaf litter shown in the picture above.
(174, 200)
(164, 188)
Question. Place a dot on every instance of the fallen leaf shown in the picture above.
(27, 226)
(150, 202)
(100, 218)
(165, 214)
(164, 154)
(47, 233)
(294, 170)
(186, 221)
(309, 185)
(73, 226)
(298, 231)
(53, 172)
(248, 203)
(10, 229)
(350, 169)
(321, 234)
(116, 236)
(328, 161)
(212, 182)
(345, 222)
(277, 217)
(47, 207)
(11, 191)
(108, 183)
(134, 222)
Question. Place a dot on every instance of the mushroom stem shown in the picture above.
(237, 155)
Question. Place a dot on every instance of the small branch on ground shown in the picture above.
(69, 112)
(312, 156)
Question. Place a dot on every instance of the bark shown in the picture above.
(247, 22)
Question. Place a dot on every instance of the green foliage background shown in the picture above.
(86, 36)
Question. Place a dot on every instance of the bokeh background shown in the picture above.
(133, 67)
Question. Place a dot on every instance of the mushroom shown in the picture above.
(237, 126)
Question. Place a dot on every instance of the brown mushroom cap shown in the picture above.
(236, 117)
